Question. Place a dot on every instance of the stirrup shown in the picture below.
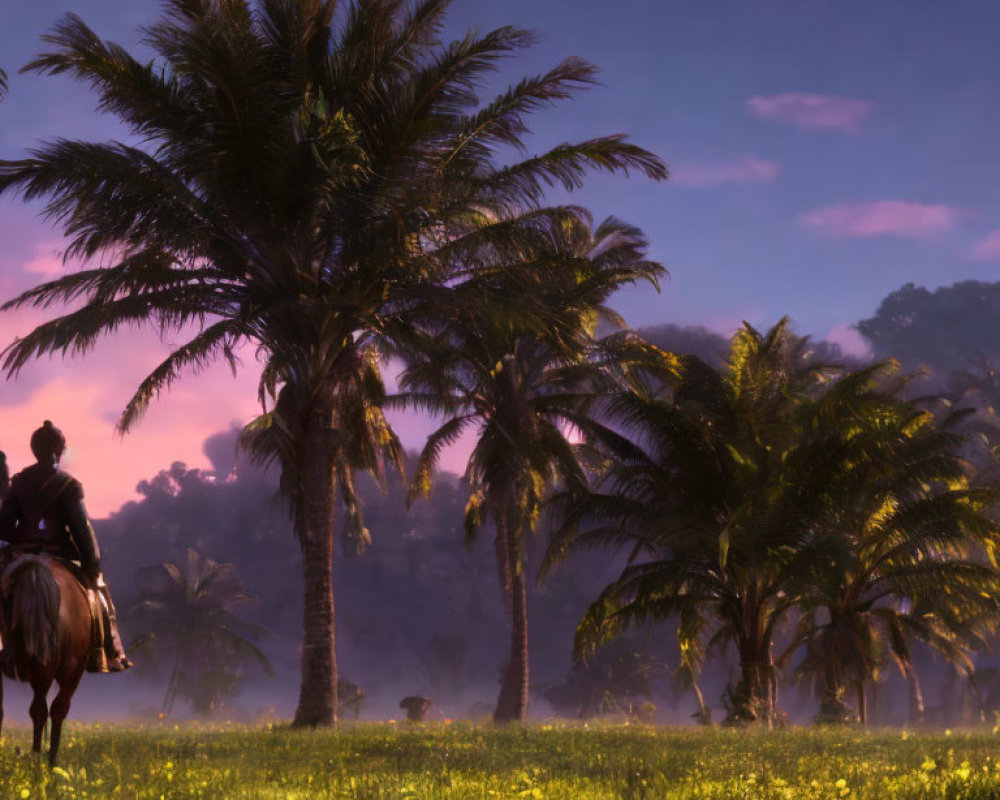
(119, 664)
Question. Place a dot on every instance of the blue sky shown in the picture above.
(824, 152)
(678, 77)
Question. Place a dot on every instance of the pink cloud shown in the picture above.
(812, 111)
(851, 342)
(883, 218)
(746, 169)
(47, 261)
(987, 249)
(85, 396)
(413, 426)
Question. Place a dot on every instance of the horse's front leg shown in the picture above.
(39, 711)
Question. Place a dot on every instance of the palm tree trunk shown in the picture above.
(168, 698)
(318, 691)
(755, 680)
(980, 710)
(501, 547)
(704, 713)
(772, 683)
(916, 695)
(512, 704)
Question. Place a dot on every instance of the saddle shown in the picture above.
(97, 661)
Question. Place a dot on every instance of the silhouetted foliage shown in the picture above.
(712, 347)
(690, 340)
(942, 330)
(616, 679)
(187, 612)
(351, 697)
(953, 334)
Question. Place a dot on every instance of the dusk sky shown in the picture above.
(823, 153)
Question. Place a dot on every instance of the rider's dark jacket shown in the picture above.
(44, 511)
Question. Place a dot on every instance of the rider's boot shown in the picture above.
(113, 649)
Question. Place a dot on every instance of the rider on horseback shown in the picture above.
(43, 512)
(4, 475)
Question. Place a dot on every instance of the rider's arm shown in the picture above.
(82, 531)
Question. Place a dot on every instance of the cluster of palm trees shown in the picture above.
(798, 513)
(321, 181)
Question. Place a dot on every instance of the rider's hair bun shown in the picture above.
(48, 442)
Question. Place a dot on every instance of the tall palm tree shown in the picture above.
(708, 488)
(188, 613)
(308, 172)
(522, 388)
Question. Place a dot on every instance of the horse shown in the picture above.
(49, 632)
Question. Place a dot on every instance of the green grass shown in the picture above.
(463, 762)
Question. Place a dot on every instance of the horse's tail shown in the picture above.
(34, 610)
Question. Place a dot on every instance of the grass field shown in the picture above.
(462, 762)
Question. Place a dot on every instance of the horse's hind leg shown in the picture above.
(39, 711)
(60, 708)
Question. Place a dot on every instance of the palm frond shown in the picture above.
(195, 356)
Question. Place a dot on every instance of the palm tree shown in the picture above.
(302, 186)
(3, 84)
(188, 612)
(898, 547)
(707, 480)
(523, 389)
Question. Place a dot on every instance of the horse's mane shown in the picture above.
(34, 607)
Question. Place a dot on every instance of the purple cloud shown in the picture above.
(812, 111)
(746, 169)
(987, 248)
(883, 218)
